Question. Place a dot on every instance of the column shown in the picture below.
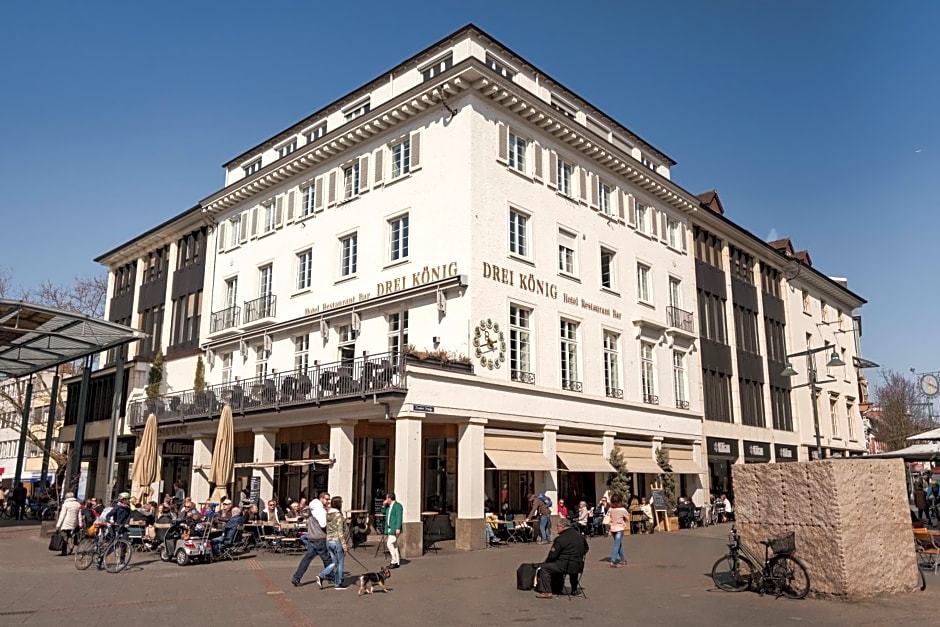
(470, 486)
(549, 483)
(600, 478)
(264, 452)
(699, 494)
(202, 457)
(342, 451)
(408, 463)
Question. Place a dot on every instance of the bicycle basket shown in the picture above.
(783, 544)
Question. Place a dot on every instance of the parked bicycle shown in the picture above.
(112, 551)
(782, 574)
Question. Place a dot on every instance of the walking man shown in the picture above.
(393, 512)
(316, 541)
(19, 500)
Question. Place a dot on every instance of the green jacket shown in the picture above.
(393, 516)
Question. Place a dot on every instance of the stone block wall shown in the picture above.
(850, 517)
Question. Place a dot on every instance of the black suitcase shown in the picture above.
(56, 542)
(525, 576)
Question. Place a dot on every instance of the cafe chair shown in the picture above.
(574, 587)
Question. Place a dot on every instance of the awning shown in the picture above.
(642, 464)
(685, 467)
(308, 462)
(585, 462)
(203, 467)
(519, 460)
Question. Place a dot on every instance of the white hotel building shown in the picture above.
(462, 205)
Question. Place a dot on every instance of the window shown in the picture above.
(745, 329)
(648, 374)
(351, 180)
(191, 249)
(567, 243)
(780, 410)
(348, 263)
(231, 292)
(304, 269)
(769, 280)
(517, 151)
(518, 233)
(823, 313)
(612, 365)
(806, 304)
(347, 344)
(302, 353)
(648, 162)
(356, 111)
(397, 333)
(187, 314)
(850, 416)
(708, 248)
(401, 158)
(774, 332)
(270, 217)
(235, 231)
(520, 344)
(826, 355)
(717, 393)
(607, 269)
(398, 238)
(752, 403)
(438, 67)
(643, 293)
(742, 265)
(675, 293)
(642, 213)
(265, 280)
(564, 178)
(834, 416)
(226, 368)
(286, 149)
(315, 133)
(309, 196)
(261, 362)
(563, 107)
(156, 265)
(151, 323)
(603, 198)
(711, 314)
(252, 167)
(499, 67)
(678, 379)
(569, 355)
(673, 234)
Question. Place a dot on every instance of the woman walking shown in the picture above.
(336, 541)
(619, 517)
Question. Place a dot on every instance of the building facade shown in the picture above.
(12, 399)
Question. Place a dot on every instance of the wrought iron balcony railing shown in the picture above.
(373, 374)
(651, 399)
(680, 319)
(614, 392)
(225, 319)
(523, 377)
(260, 308)
(682, 404)
(571, 385)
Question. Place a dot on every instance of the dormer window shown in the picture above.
(356, 111)
(563, 107)
(315, 133)
(438, 67)
(287, 148)
(499, 66)
(252, 167)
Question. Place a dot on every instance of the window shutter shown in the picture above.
(654, 220)
(503, 154)
(379, 162)
(621, 206)
(631, 210)
(290, 206)
(254, 224)
(595, 182)
(363, 174)
(220, 235)
(537, 160)
(582, 183)
(415, 151)
(552, 170)
(318, 195)
(244, 226)
(684, 234)
(279, 212)
(331, 197)
(663, 231)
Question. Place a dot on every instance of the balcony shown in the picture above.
(522, 376)
(260, 309)
(317, 384)
(680, 319)
(651, 399)
(225, 319)
(682, 404)
(571, 386)
(614, 393)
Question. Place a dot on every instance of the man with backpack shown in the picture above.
(541, 509)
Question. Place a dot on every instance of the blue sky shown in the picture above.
(814, 120)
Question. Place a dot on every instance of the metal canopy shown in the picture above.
(34, 337)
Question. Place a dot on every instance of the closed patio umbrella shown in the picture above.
(145, 460)
(222, 472)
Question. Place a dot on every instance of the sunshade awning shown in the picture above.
(308, 462)
(642, 464)
(519, 460)
(685, 467)
(34, 337)
(585, 462)
(933, 434)
(915, 452)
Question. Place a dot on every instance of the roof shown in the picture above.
(915, 452)
(711, 201)
(34, 338)
(933, 435)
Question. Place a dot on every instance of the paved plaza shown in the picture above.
(665, 583)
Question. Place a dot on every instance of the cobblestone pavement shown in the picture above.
(665, 583)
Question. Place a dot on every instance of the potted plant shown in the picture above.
(154, 381)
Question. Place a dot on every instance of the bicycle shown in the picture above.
(782, 574)
(114, 551)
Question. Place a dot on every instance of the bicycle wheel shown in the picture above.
(789, 576)
(118, 556)
(85, 554)
(733, 574)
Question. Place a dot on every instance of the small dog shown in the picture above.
(369, 580)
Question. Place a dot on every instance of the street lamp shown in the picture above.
(788, 371)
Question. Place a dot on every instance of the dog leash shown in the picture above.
(349, 553)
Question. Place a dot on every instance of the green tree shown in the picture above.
(621, 481)
(667, 478)
(155, 377)
(199, 382)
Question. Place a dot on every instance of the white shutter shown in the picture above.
(684, 234)
(654, 220)
(631, 210)
(244, 226)
(379, 162)
(279, 212)
(594, 181)
(290, 206)
(254, 224)
(364, 174)
(318, 195)
(331, 196)
(502, 154)
(582, 183)
(663, 231)
(552, 170)
(415, 151)
(621, 207)
(220, 236)
(537, 160)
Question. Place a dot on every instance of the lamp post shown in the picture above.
(788, 371)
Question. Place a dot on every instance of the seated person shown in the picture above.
(226, 512)
(491, 528)
(583, 517)
(647, 510)
(228, 530)
(252, 515)
(566, 557)
(601, 510)
(684, 512)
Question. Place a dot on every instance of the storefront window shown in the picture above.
(507, 490)
(371, 476)
(440, 474)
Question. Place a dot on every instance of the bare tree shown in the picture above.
(6, 283)
(13, 399)
(902, 412)
(85, 295)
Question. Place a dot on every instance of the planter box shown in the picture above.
(46, 528)
(673, 523)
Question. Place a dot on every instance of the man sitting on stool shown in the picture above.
(566, 557)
